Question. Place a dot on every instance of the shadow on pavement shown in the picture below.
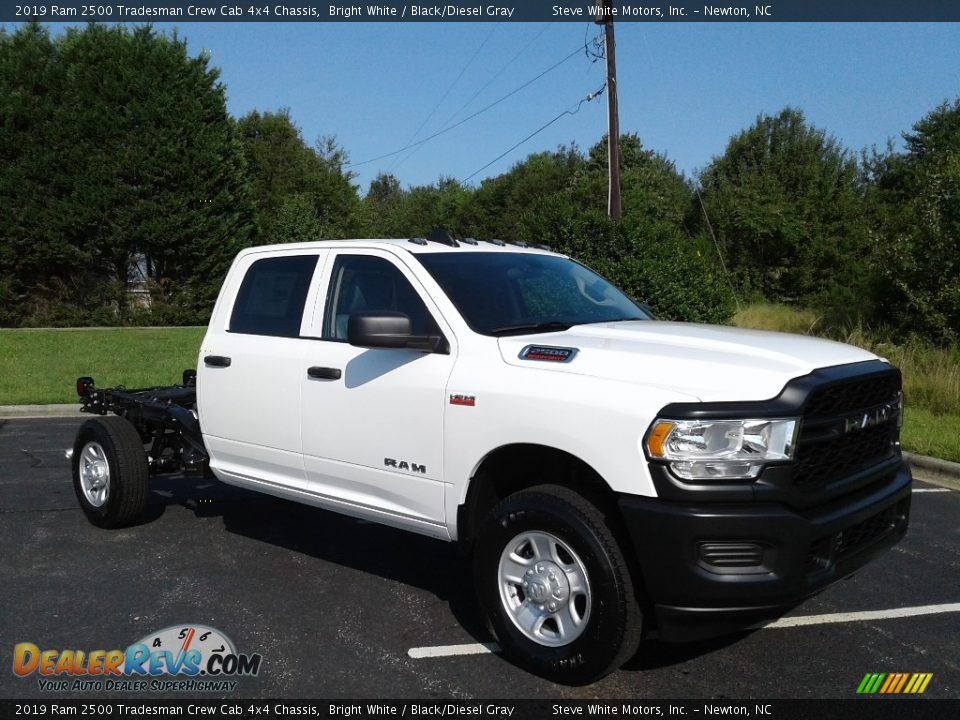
(416, 560)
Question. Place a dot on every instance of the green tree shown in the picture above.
(35, 256)
(916, 228)
(393, 212)
(291, 179)
(384, 188)
(382, 207)
(785, 204)
(144, 165)
(652, 262)
(501, 205)
(651, 188)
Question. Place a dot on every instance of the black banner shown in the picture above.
(854, 709)
(182, 11)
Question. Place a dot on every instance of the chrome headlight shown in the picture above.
(722, 449)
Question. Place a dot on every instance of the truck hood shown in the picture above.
(710, 362)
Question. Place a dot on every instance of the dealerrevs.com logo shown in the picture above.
(187, 658)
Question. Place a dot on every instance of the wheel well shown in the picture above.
(514, 467)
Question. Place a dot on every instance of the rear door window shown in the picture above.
(272, 296)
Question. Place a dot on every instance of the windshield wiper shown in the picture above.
(552, 326)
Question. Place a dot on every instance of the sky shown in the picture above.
(684, 88)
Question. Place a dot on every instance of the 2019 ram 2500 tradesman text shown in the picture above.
(608, 473)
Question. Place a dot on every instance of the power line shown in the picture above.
(415, 150)
(470, 117)
(726, 272)
(451, 86)
(499, 73)
(596, 53)
(588, 98)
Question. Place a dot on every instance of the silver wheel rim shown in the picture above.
(94, 474)
(544, 588)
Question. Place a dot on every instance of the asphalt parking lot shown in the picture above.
(335, 606)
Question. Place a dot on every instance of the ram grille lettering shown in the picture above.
(874, 416)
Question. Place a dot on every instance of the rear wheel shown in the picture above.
(110, 474)
(555, 586)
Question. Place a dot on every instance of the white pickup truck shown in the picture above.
(609, 474)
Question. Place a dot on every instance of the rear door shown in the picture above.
(250, 368)
(373, 418)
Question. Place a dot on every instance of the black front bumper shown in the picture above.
(798, 552)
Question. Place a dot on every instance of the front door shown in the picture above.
(372, 429)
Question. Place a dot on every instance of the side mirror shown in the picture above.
(390, 330)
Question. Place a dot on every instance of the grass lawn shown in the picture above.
(41, 366)
(935, 435)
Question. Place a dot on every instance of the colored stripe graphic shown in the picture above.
(903, 680)
(923, 679)
(870, 683)
(894, 683)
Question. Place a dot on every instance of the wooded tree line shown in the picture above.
(119, 163)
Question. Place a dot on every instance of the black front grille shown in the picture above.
(825, 551)
(853, 395)
(861, 534)
(828, 450)
(825, 461)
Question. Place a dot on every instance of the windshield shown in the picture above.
(515, 293)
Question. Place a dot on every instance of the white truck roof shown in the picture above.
(416, 246)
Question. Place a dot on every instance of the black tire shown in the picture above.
(126, 496)
(613, 627)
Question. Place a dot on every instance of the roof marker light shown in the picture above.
(442, 237)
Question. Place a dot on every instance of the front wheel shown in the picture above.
(110, 474)
(555, 586)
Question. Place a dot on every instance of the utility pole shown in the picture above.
(614, 209)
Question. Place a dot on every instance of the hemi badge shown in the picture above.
(547, 353)
(465, 400)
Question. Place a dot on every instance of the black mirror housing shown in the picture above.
(389, 330)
